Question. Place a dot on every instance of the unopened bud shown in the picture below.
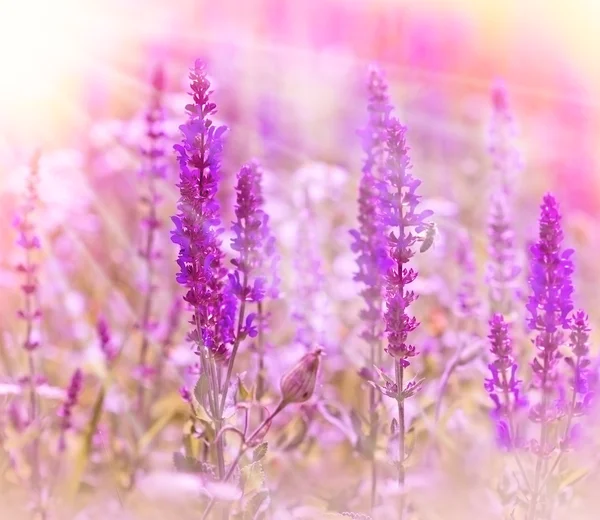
(298, 385)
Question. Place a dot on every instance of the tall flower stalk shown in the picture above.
(153, 172)
(66, 411)
(505, 389)
(369, 243)
(254, 278)
(254, 245)
(549, 307)
(503, 268)
(507, 162)
(30, 314)
(197, 232)
(399, 203)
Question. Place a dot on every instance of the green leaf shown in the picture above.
(572, 477)
(85, 449)
(253, 477)
(255, 504)
(202, 389)
(260, 451)
(243, 393)
(159, 425)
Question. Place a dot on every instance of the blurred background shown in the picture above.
(289, 79)
(68, 63)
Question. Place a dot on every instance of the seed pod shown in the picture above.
(298, 385)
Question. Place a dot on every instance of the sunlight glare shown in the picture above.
(39, 43)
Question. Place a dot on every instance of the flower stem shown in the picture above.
(536, 489)
(243, 448)
(401, 437)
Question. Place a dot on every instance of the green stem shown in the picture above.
(243, 448)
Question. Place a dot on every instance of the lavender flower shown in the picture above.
(66, 410)
(579, 363)
(197, 224)
(29, 242)
(399, 206)
(370, 239)
(153, 170)
(253, 240)
(375, 135)
(31, 312)
(550, 302)
(549, 307)
(256, 261)
(503, 268)
(399, 203)
(503, 386)
(506, 159)
(105, 338)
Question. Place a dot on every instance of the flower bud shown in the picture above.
(298, 385)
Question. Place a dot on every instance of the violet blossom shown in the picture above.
(369, 240)
(153, 170)
(66, 410)
(399, 204)
(579, 363)
(370, 243)
(255, 274)
(253, 240)
(504, 387)
(29, 241)
(197, 224)
(400, 214)
(549, 306)
(550, 302)
(503, 268)
(507, 162)
(107, 347)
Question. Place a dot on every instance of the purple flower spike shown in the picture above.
(28, 269)
(375, 135)
(549, 306)
(503, 268)
(369, 240)
(507, 162)
(197, 223)
(105, 337)
(503, 386)
(399, 204)
(579, 363)
(551, 290)
(66, 410)
(253, 240)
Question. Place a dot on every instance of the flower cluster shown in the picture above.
(253, 240)
(579, 382)
(66, 410)
(503, 268)
(399, 204)
(153, 169)
(108, 349)
(550, 301)
(369, 240)
(29, 241)
(197, 223)
(503, 386)
(506, 159)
